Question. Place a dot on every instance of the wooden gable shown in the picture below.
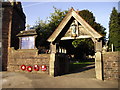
(64, 31)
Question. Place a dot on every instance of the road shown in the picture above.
(83, 79)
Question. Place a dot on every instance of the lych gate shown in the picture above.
(73, 26)
(20, 50)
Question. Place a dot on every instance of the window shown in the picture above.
(28, 42)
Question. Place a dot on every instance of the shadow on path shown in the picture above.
(87, 67)
(85, 72)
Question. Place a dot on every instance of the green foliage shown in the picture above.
(43, 33)
(86, 45)
(83, 46)
(46, 28)
(56, 18)
(87, 16)
(90, 19)
(83, 42)
(114, 30)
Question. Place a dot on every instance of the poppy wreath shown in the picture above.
(29, 68)
(36, 67)
(23, 67)
(43, 67)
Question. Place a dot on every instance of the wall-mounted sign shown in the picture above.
(28, 42)
(27, 39)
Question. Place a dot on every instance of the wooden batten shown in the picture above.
(79, 37)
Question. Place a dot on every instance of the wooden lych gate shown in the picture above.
(73, 26)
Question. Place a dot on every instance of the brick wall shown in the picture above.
(18, 24)
(6, 25)
(28, 58)
(13, 21)
(111, 65)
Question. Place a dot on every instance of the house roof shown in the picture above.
(30, 32)
(66, 20)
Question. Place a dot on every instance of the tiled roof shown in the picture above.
(31, 32)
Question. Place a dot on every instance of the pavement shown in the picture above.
(83, 79)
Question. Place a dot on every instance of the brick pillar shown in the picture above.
(98, 60)
(6, 30)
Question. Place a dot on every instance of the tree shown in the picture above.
(42, 33)
(90, 19)
(88, 48)
(114, 30)
(45, 28)
(83, 47)
(55, 18)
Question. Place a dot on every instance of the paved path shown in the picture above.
(75, 80)
(85, 72)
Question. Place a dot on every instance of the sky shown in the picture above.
(42, 10)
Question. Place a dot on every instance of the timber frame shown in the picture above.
(86, 31)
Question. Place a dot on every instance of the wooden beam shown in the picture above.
(88, 28)
(60, 27)
(82, 36)
(67, 38)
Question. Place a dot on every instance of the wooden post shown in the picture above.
(98, 60)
